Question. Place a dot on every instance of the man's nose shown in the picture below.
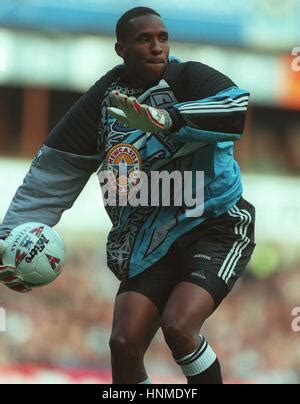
(156, 47)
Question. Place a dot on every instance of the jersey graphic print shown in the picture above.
(145, 150)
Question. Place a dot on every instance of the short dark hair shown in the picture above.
(122, 24)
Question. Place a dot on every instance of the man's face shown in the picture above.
(145, 50)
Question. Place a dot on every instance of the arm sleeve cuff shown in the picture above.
(177, 121)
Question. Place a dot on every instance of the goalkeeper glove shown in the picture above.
(10, 276)
(134, 115)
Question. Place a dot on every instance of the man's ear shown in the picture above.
(120, 49)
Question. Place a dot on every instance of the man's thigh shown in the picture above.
(136, 319)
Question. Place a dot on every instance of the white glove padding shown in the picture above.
(134, 115)
(10, 276)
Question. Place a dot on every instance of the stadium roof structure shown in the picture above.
(258, 23)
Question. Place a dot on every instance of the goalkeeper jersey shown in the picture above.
(208, 112)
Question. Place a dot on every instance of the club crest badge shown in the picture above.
(123, 163)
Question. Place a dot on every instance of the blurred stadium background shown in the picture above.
(50, 52)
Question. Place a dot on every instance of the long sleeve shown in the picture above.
(210, 107)
(51, 186)
(214, 119)
(60, 170)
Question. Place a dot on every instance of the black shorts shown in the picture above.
(213, 256)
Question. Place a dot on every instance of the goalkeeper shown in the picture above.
(175, 269)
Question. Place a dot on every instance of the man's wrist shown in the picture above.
(177, 121)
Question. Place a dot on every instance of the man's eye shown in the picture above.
(143, 39)
(164, 36)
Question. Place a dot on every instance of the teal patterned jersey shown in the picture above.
(208, 111)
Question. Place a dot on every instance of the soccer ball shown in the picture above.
(37, 251)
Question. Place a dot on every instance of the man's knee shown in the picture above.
(124, 346)
(177, 333)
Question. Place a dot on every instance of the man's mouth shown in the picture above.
(155, 62)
